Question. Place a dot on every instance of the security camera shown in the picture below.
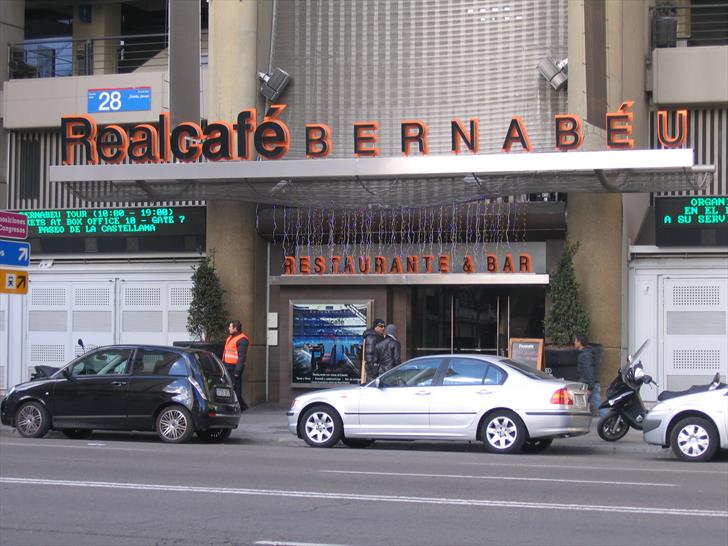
(273, 84)
(556, 73)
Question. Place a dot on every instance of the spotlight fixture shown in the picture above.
(556, 73)
(273, 84)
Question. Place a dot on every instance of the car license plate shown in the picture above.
(580, 400)
(225, 393)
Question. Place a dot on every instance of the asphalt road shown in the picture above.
(266, 487)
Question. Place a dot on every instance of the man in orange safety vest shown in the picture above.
(236, 351)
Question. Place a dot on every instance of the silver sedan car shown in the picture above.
(509, 406)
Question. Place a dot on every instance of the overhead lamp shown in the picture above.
(273, 83)
(554, 72)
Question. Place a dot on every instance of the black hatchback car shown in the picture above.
(172, 390)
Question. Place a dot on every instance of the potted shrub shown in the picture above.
(567, 316)
(207, 315)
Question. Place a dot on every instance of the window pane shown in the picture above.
(414, 374)
(211, 366)
(106, 362)
(465, 371)
(157, 362)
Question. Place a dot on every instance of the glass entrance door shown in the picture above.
(459, 319)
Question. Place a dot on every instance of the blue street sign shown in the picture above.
(128, 99)
(14, 253)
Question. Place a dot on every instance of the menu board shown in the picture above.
(526, 351)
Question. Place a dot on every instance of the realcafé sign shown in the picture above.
(271, 139)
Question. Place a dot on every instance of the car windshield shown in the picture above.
(528, 371)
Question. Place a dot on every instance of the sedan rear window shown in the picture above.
(528, 371)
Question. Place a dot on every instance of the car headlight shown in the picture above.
(10, 392)
(296, 404)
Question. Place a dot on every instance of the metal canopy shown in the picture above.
(389, 181)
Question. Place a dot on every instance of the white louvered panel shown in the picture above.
(2, 320)
(142, 321)
(92, 321)
(47, 321)
(695, 327)
(177, 321)
(3, 377)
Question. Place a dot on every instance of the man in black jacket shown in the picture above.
(371, 337)
(389, 350)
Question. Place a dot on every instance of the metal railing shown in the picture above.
(689, 25)
(58, 57)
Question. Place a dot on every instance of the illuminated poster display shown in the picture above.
(326, 341)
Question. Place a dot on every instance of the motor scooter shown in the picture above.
(623, 400)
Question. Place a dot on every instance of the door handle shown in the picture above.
(118, 383)
(484, 391)
(423, 393)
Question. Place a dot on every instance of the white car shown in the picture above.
(694, 423)
(509, 406)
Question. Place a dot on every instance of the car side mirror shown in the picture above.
(377, 383)
(66, 372)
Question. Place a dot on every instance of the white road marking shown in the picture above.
(279, 543)
(640, 469)
(513, 478)
(76, 446)
(638, 511)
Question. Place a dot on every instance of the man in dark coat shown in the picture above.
(586, 371)
(372, 336)
(234, 356)
(389, 350)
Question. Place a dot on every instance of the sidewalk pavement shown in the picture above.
(268, 423)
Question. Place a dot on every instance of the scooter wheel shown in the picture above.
(612, 427)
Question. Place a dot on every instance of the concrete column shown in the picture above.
(239, 252)
(105, 20)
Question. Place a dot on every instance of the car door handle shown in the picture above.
(118, 383)
(485, 391)
(423, 393)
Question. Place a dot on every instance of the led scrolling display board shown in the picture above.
(691, 221)
(142, 221)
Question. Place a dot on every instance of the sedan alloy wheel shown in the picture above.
(32, 420)
(503, 432)
(694, 439)
(321, 426)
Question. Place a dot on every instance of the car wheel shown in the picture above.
(503, 432)
(322, 427)
(612, 427)
(214, 435)
(77, 433)
(32, 420)
(357, 443)
(694, 439)
(536, 446)
(174, 425)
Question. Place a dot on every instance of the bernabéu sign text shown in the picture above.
(271, 138)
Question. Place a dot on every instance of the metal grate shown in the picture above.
(142, 297)
(696, 295)
(180, 297)
(695, 359)
(46, 297)
(47, 353)
(92, 297)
